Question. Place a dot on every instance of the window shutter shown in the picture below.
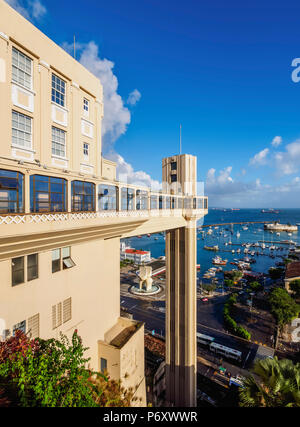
(59, 314)
(53, 316)
(34, 326)
(67, 310)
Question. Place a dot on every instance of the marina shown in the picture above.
(237, 236)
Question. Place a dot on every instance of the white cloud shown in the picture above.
(127, 174)
(30, 9)
(260, 158)
(288, 162)
(134, 97)
(277, 140)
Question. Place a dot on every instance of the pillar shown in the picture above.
(181, 312)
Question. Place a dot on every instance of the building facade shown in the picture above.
(62, 210)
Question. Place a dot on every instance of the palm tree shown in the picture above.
(277, 383)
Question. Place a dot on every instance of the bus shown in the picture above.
(228, 352)
(204, 339)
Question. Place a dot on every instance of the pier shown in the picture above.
(236, 223)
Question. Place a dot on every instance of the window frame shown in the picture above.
(17, 81)
(17, 131)
(18, 201)
(49, 181)
(83, 196)
(59, 132)
(55, 90)
(61, 260)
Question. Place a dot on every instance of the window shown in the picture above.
(141, 200)
(34, 326)
(47, 194)
(21, 130)
(11, 191)
(58, 142)
(61, 313)
(20, 327)
(67, 310)
(153, 202)
(86, 105)
(58, 91)
(21, 69)
(168, 202)
(173, 178)
(17, 269)
(107, 197)
(127, 199)
(66, 258)
(161, 202)
(187, 203)
(86, 151)
(22, 264)
(173, 203)
(32, 267)
(173, 166)
(179, 202)
(103, 365)
(61, 259)
(83, 196)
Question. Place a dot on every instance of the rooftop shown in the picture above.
(292, 270)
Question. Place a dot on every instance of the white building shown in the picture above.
(138, 257)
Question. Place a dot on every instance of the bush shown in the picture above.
(52, 373)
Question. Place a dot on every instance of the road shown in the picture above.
(152, 313)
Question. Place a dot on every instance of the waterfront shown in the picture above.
(254, 233)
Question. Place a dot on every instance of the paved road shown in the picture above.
(152, 313)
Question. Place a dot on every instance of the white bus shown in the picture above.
(226, 351)
(204, 339)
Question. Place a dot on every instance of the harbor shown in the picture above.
(237, 236)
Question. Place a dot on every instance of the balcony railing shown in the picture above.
(196, 205)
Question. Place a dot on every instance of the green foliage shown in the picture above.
(228, 283)
(283, 307)
(208, 287)
(230, 323)
(276, 273)
(255, 286)
(278, 385)
(52, 373)
(295, 287)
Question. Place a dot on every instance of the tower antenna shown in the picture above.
(180, 137)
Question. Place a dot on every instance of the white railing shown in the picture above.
(67, 216)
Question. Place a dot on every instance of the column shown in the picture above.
(181, 316)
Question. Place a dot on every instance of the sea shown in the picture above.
(248, 233)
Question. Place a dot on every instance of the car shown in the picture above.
(204, 299)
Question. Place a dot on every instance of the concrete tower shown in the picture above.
(179, 176)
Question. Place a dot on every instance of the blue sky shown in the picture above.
(222, 69)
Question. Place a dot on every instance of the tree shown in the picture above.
(278, 385)
(228, 283)
(276, 273)
(256, 286)
(208, 287)
(283, 308)
(295, 287)
(53, 373)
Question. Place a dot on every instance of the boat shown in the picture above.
(245, 228)
(219, 261)
(238, 234)
(212, 248)
(149, 235)
(139, 237)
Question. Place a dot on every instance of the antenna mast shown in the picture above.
(180, 138)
